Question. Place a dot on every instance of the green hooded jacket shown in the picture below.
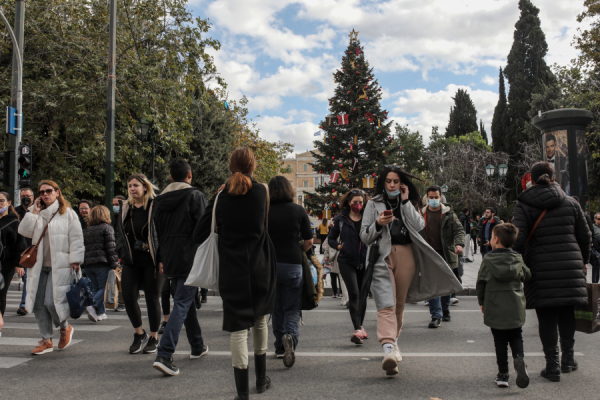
(500, 289)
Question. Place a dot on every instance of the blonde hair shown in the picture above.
(63, 204)
(149, 186)
(98, 215)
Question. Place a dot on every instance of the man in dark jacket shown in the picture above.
(175, 215)
(465, 221)
(485, 231)
(27, 199)
(446, 236)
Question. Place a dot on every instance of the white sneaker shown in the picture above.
(397, 351)
(91, 311)
(344, 302)
(389, 364)
(102, 317)
(426, 303)
(453, 301)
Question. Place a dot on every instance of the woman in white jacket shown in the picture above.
(60, 253)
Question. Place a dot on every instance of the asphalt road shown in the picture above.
(455, 361)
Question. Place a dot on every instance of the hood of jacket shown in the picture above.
(504, 264)
(169, 200)
(543, 196)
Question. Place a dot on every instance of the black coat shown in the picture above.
(100, 246)
(13, 244)
(247, 264)
(465, 221)
(354, 251)
(557, 250)
(124, 249)
(175, 215)
(22, 211)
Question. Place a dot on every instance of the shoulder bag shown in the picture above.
(336, 251)
(29, 256)
(535, 226)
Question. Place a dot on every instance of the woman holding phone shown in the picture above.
(60, 253)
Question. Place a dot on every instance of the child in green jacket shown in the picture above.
(502, 300)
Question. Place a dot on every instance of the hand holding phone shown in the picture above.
(387, 213)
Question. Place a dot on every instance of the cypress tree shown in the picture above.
(483, 132)
(497, 127)
(463, 116)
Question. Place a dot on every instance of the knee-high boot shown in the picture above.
(552, 370)
(567, 362)
(263, 382)
(241, 383)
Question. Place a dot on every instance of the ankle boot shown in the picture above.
(241, 383)
(568, 363)
(263, 382)
(552, 370)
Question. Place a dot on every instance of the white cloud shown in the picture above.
(489, 80)
(279, 128)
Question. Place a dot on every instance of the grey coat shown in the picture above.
(433, 277)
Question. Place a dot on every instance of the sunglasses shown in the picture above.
(45, 192)
(357, 191)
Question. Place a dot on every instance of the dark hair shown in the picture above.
(347, 198)
(433, 188)
(542, 173)
(405, 179)
(84, 201)
(550, 137)
(241, 164)
(179, 170)
(507, 234)
(280, 190)
(324, 221)
(10, 208)
(465, 210)
(491, 210)
(120, 197)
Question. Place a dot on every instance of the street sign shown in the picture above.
(11, 121)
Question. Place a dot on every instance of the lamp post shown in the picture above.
(497, 174)
(144, 133)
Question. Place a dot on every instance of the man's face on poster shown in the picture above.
(550, 148)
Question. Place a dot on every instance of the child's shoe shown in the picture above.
(522, 376)
(502, 380)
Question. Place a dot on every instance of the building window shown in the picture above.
(305, 184)
(317, 182)
(305, 167)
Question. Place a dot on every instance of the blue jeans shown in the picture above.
(485, 250)
(288, 302)
(183, 313)
(436, 305)
(24, 296)
(98, 277)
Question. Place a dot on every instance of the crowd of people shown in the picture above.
(397, 246)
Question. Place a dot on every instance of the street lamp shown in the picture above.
(490, 170)
(144, 134)
(497, 174)
(502, 170)
(444, 189)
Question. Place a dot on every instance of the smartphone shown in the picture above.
(387, 213)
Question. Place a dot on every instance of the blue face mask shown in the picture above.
(393, 194)
(434, 203)
(116, 209)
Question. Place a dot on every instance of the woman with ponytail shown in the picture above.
(554, 239)
(247, 266)
(11, 245)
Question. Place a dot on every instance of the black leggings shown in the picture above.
(132, 279)
(7, 274)
(474, 239)
(353, 279)
(502, 338)
(555, 320)
(335, 278)
(165, 296)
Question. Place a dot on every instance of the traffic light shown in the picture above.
(25, 164)
(5, 167)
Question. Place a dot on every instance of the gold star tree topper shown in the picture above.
(353, 35)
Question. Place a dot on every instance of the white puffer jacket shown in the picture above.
(66, 245)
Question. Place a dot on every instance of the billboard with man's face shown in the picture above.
(556, 152)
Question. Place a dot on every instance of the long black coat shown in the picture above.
(247, 264)
(13, 244)
(557, 250)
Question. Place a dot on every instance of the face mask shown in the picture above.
(356, 207)
(116, 209)
(395, 193)
(26, 201)
(3, 210)
(434, 203)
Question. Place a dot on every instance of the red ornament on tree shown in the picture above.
(335, 205)
(347, 180)
(354, 109)
(348, 92)
(333, 190)
(341, 165)
(333, 158)
(373, 174)
(357, 72)
(378, 131)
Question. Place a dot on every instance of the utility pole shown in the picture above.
(16, 97)
(110, 112)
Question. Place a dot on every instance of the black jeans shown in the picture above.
(335, 278)
(353, 279)
(7, 274)
(502, 338)
(554, 321)
(595, 273)
(165, 296)
(132, 279)
(474, 239)
(323, 238)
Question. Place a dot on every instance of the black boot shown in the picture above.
(263, 382)
(241, 383)
(568, 363)
(552, 370)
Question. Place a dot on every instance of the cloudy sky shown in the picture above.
(281, 54)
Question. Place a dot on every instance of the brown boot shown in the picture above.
(65, 337)
(22, 311)
(44, 346)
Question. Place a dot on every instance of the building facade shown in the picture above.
(302, 177)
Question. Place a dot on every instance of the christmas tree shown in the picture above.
(357, 139)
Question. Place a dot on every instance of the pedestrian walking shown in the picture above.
(60, 253)
(323, 232)
(554, 239)
(337, 283)
(407, 269)
(11, 246)
(247, 266)
(345, 238)
(100, 258)
(26, 201)
(138, 259)
(502, 301)
(119, 271)
(287, 223)
(487, 224)
(444, 233)
(475, 233)
(176, 212)
(465, 221)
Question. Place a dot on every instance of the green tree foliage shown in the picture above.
(498, 137)
(483, 132)
(463, 115)
(411, 153)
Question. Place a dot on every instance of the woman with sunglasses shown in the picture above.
(60, 253)
(345, 237)
(408, 269)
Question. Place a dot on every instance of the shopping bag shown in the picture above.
(79, 296)
(111, 293)
(205, 270)
(588, 317)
